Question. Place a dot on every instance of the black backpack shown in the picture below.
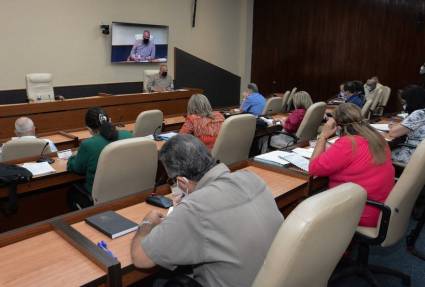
(10, 176)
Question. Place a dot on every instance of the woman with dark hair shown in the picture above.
(103, 132)
(413, 125)
(361, 155)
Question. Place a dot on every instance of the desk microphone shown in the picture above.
(44, 158)
(155, 133)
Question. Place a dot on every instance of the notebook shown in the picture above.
(381, 127)
(298, 161)
(304, 152)
(111, 224)
(39, 168)
(274, 157)
(166, 136)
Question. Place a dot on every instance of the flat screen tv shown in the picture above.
(139, 43)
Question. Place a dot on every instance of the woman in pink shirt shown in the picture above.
(361, 156)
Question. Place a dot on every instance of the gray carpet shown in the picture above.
(395, 257)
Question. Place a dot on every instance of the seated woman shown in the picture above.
(301, 101)
(85, 161)
(201, 121)
(413, 126)
(354, 93)
(361, 156)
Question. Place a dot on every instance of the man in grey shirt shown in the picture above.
(143, 50)
(223, 226)
(161, 81)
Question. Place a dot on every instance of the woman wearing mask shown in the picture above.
(361, 156)
(85, 161)
(413, 126)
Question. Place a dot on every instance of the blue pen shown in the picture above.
(102, 245)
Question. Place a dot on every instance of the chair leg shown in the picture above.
(384, 270)
(414, 235)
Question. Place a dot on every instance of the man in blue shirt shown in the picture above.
(253, 102)
(353, 91)
(143, 50)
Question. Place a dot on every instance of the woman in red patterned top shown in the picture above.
(301, 101)
(201, 121)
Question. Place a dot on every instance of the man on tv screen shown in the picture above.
(143, 50)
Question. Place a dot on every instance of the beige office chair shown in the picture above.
(234, 139)
(383, 101)
(306, 131)
(125, 167)
(147, 78)
(289, 105)
(40, 87)
(376, 99)
(148, 123)
(273, 106)
(284, 101)
(24, 147)
(367, 108)
(394, 219)
(313, 238)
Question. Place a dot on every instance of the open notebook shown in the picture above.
(39, 168)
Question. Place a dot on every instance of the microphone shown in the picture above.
(155, 133)
(44, 158)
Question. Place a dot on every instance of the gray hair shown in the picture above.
(199, 105)
(253, 87)
(185, 155)
(302, 99)
(24, 126)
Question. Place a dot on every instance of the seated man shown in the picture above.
(253, 102)
(161, 81)
(372, 87)
(223, 227)
(25, 129)
(143, 50)
(354, 93)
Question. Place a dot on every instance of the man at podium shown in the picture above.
(160, 82)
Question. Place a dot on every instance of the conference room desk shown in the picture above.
(51, 253)
(69, 113)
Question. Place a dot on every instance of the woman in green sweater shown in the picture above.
(85, 161)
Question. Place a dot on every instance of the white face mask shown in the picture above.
(178, 193)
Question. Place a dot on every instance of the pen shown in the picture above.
(102, 245)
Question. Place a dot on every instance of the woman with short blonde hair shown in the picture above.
(201, 121)
(361, 155)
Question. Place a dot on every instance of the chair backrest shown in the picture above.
(125, 167)
(311, 121)
(234, 139)
(148, 122)
(404, 194)
(273, 106)
(40, 87)
(284, 101)
(313, 238)
(366, 108)
(23, 147)
(290, 99)
(147, 76)
(386, 92)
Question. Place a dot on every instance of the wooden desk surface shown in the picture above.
(59, 264)
(45, 260)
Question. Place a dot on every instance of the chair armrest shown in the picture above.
(383, 226)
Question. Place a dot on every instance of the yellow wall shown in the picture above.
(63, 37)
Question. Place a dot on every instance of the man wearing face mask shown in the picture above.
(161, 81)
(372, 88)
(143, 50)
(223, 227)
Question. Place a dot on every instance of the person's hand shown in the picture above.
(155, 217)
(329, 128)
